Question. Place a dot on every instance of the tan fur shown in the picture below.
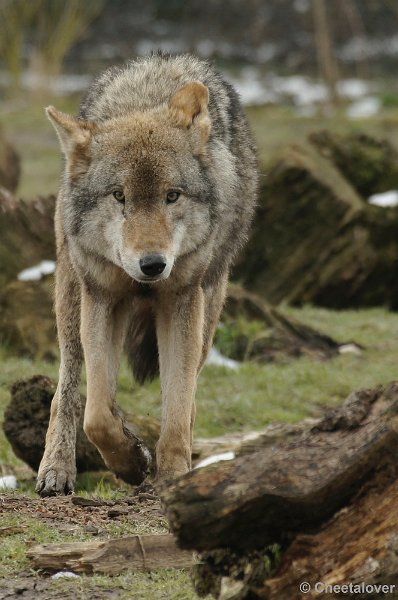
(144, 154)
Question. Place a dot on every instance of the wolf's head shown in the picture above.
(138, 192)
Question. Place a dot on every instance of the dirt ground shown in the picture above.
(80, 517)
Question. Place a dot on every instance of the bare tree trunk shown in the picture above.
(324, 47)
(355, 22)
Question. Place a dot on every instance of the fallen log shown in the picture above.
(289, 487)
(278, 337)
(26, 233)
(111, 557)
(358, 546)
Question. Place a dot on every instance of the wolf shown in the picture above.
(156, 199)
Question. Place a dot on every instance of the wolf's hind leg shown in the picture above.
(57, 471)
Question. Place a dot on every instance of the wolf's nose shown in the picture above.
(152, 264)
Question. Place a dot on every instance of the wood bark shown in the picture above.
(290, 487)
(138, 552)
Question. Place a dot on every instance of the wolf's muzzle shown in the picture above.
(152, 265)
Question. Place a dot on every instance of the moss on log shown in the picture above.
(27, 320)
(368, 163)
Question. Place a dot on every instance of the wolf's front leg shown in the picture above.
(102, 331)
(57, 471)
(179, 322)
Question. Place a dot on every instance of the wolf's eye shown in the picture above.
(172, 197)
(119, 196)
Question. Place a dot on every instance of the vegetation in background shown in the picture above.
(49, 27)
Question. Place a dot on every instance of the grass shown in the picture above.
(256, 395)
(164, 583)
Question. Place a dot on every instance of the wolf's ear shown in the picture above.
(74, 137)
(190, 109)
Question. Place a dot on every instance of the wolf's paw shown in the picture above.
(132, 462)
(55, 481)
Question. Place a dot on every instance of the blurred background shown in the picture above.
(296, 63)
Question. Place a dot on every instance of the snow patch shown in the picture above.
(215, 458)
(8, 482)
(64, 575)
(349, 349)
(216, 358)
(385, 199)
(364, 108)
(46, 267)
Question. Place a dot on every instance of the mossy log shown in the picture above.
(289, 487)
(27, 319)
(316, 239)
(369, 164)
(277, 336)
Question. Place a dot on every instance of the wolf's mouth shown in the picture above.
(150, 279)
